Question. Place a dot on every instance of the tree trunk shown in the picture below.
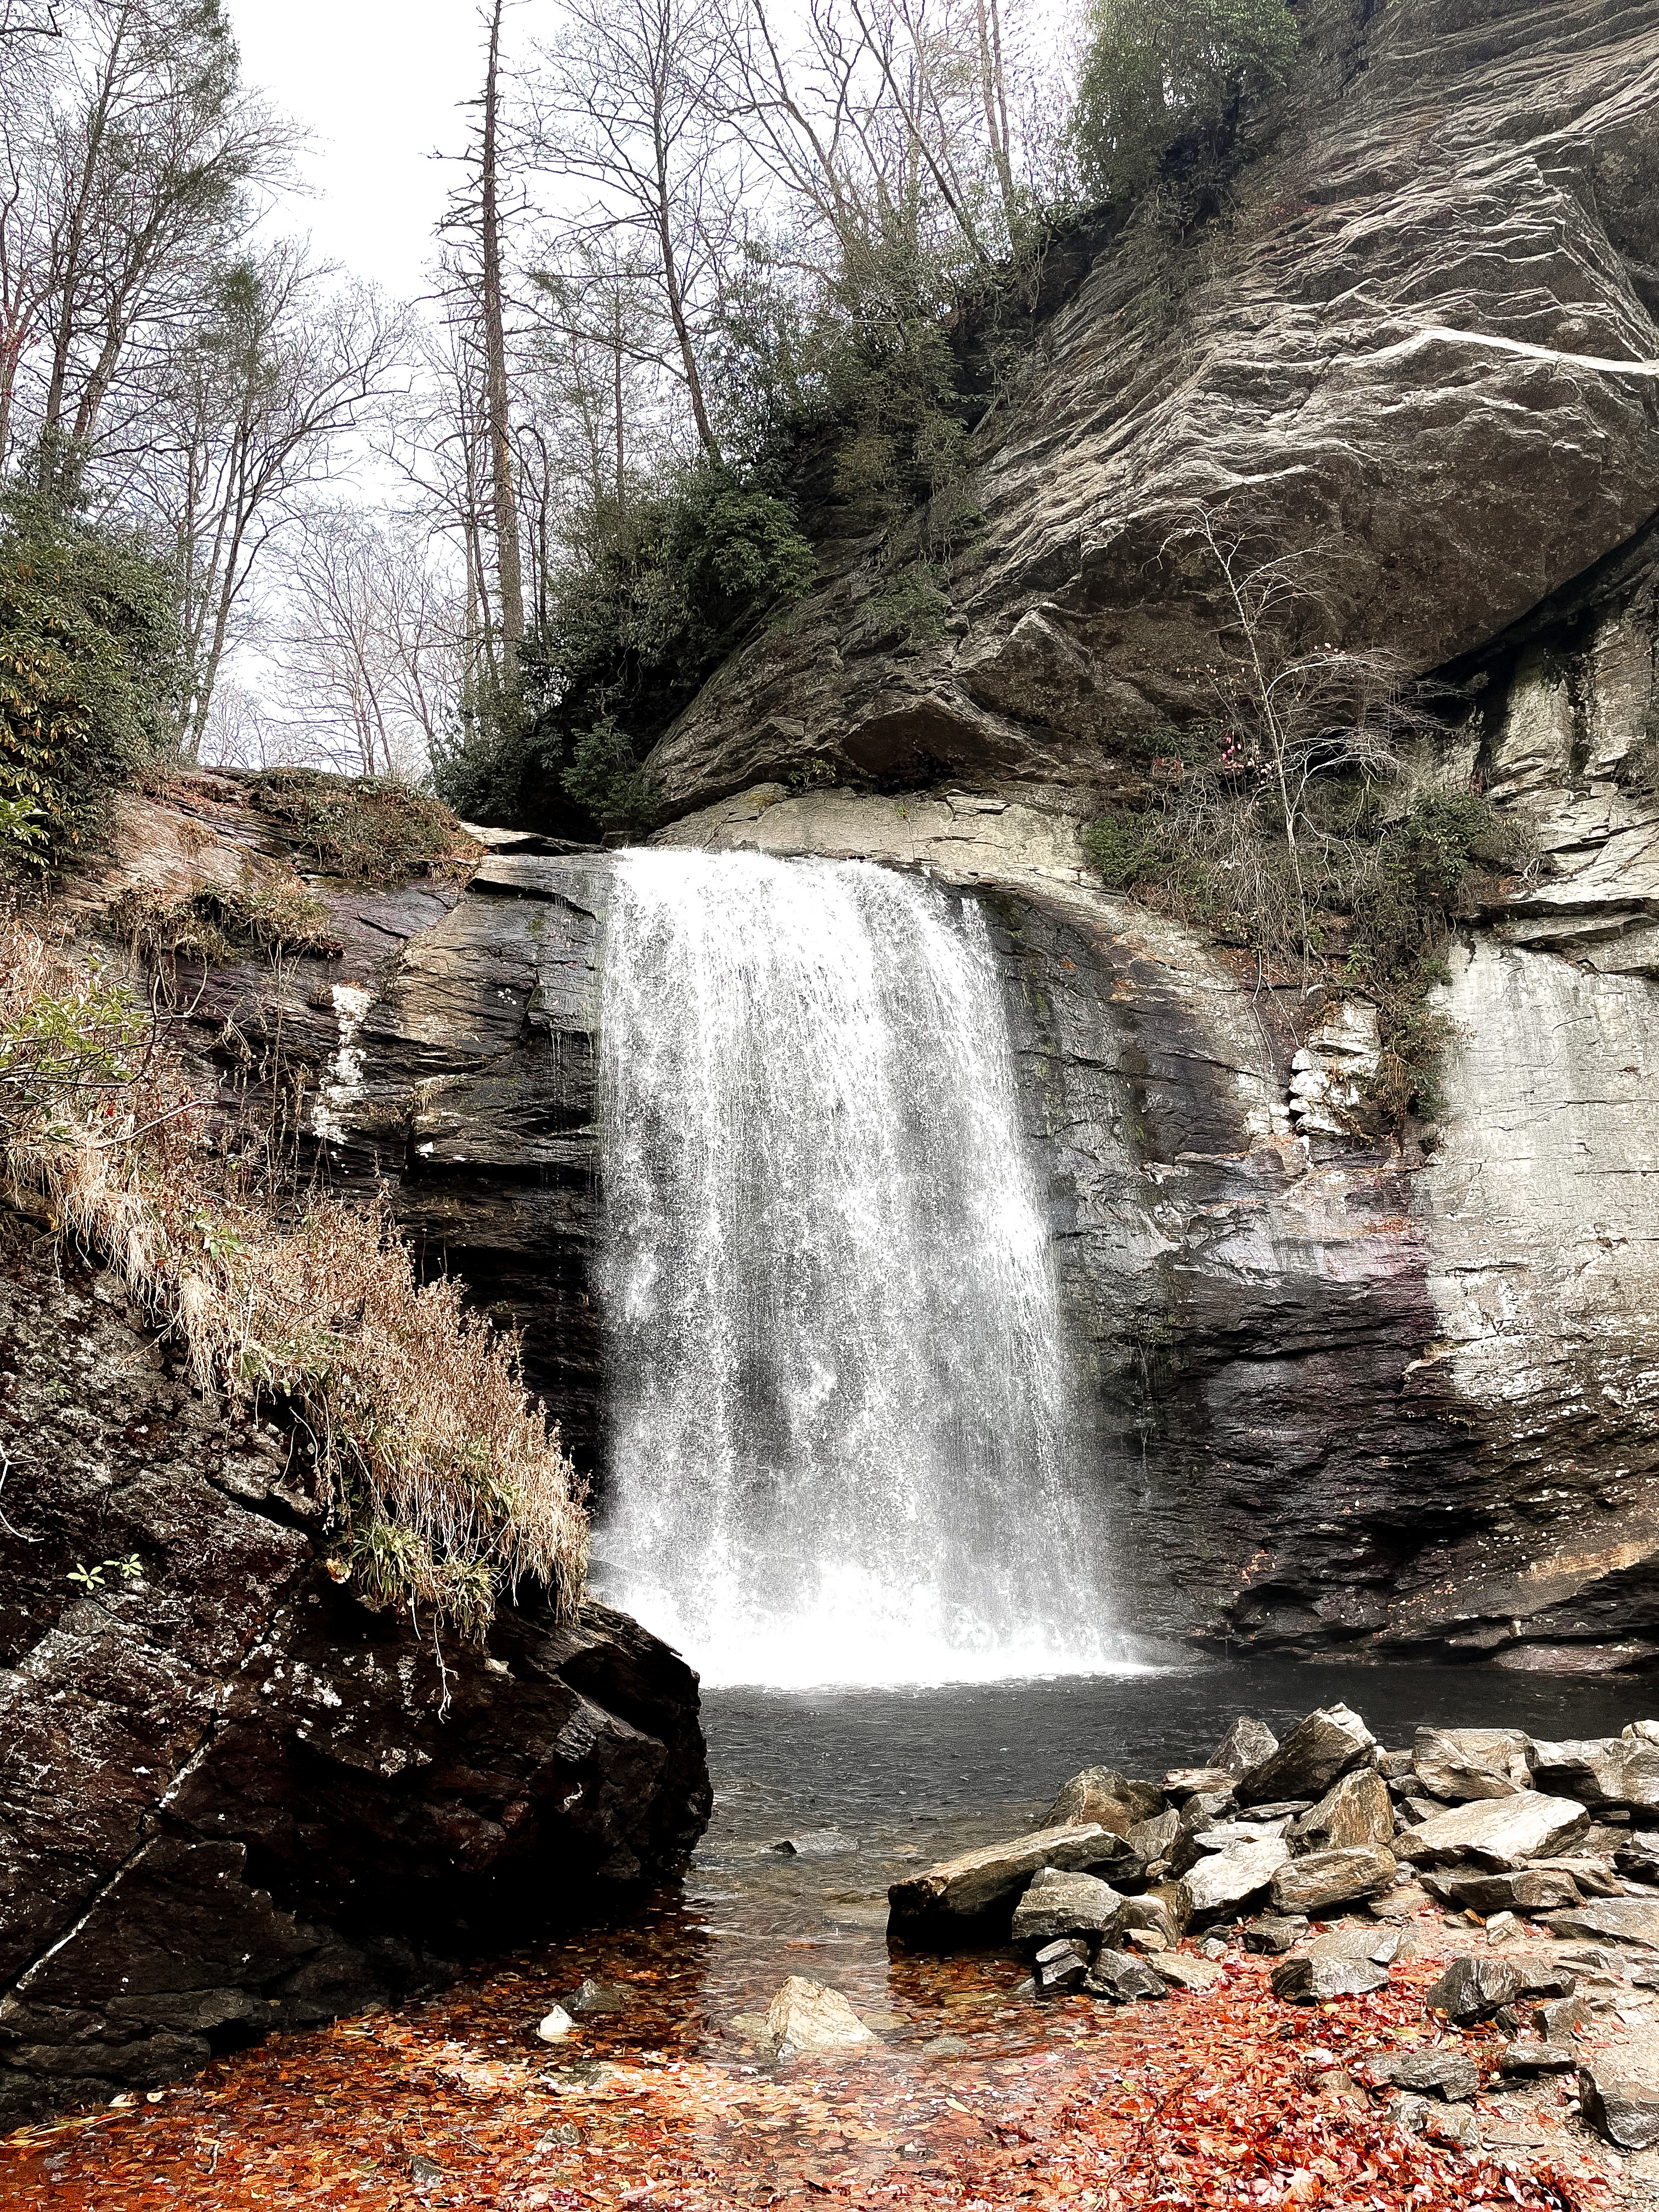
(509, 574)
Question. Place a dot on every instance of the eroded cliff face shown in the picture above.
(1327, 362)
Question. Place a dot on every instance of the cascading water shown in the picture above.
(840, 1422)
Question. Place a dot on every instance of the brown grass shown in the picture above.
(443, 1481)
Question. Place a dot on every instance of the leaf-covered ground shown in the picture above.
(976, 2099)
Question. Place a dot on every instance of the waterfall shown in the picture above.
(841, 1445)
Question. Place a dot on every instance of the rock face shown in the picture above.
(1371, 353)
(230, 1799)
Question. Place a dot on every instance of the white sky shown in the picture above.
(378, 84)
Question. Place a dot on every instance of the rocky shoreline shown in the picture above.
(1329, 1851)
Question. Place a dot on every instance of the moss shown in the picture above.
(371, 830)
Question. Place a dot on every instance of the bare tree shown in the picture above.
(508, 555)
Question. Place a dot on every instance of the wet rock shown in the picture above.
(815, 1844)
(555, 2025)
(1101, 1796)
(1619, 1770)
(1058, 1905)
(1229, 1879)
(599, 1996)
(1502, 1834)
(1274, 1932)
(1448, 2075)
(1231, 1833)
(1445, 1768)
(1595, 1876)
(1529, 1889)
(1473, 1988)
(1525, 2057)
(1318, 1750)
(806, 2016)
(1618, 1919)
(1150, 1914)
(1247, 1743)
(946, 1900)
(1125, 1980)
(1624, 2112)
(1314, 1884)
(1355, 1812)
(1393, 1766)
(1059, 1965)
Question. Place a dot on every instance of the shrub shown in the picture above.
(606, 779)
(275, 912)
(90, 656)
(368, 829)
(443, 1482)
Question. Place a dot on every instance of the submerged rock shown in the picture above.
(815, 1844)
(806, 2016)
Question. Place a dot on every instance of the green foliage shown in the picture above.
(912, 608)
(1388, 894)
(605, 778)
(90, 656)
(368, 829)
(1155, 69)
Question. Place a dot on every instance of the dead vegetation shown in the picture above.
(441, 1480)
(370, 830)
(274, 912)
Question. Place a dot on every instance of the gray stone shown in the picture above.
(1229, 1879)
(1444, 1768)
(1182, 1972)
(1313, 1884)
(1618, 1919)
(1317, 1750)
(1150, 1914)
(1059, 1966)
(1247, 1743)
(1393, 1766)
(815, 1844)
(1525, 2057)
(1624, 2112)
(981, 1884)
(1529, 1889)
(1059, 1903)
(1181, 1782)
(1559, 2018)
(1473, 1988)
(1619, 1770)
(1109, 1800)
(1315, 1975)
(598, 1996)
(1230, 1833)
(1114, 1974)
(1354, 1812)
(806, 2016)
(1502, 1834)
(1274, 1931)
(1448, 2074)
(1399, 1903)
(1153, 1839)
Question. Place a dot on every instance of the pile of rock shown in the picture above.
(1268, 1839)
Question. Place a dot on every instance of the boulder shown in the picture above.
(1443, 1768)
(1317, 1750)
(1475, 1988)
(1182, 1972)
(1525, 2057)
(1393, 1766)
(1399, 1903)
(1230, 1833)
(948, 1900)
(806, 2016)
(1616, 1919)
(1529, 1889)
(1059, 1903)
(1059, 1965)
(1153, 1839)
(1274, 1932)
(1323, 1972)
(1226, 1880)
(1183, 1782)
(1313, 1884)
(1150, 1914)
(1561, 2017)
(1115, 1975)
(1502, 1834)
(1621, 1771)
(1594, 1875)
(1247, 1743)
(1446, 2073)
(1109, 1800)
(1355, 1811)
(1624, 2112)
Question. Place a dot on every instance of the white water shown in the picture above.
(840, 1403)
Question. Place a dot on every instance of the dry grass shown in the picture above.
(273, 912)
(443, 1482)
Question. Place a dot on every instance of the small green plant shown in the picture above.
(91, 1579)
(606, 779)
(912, 608)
